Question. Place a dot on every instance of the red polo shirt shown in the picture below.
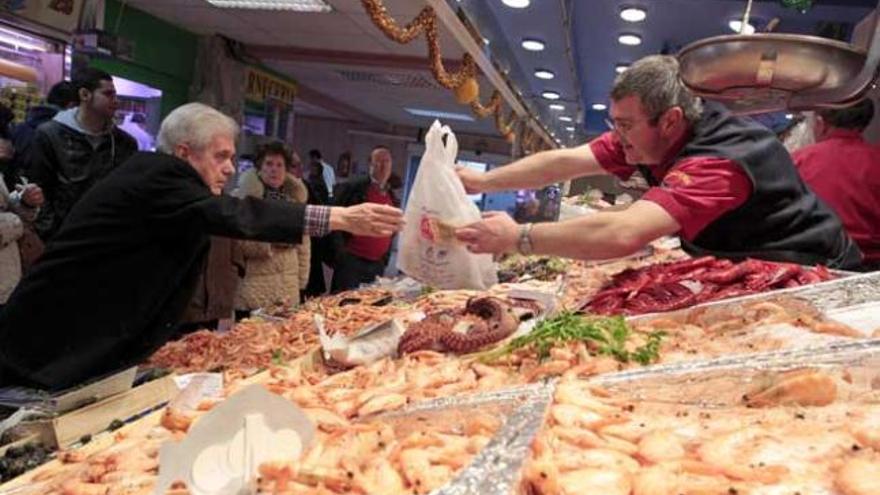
(371, 248)
(844, 171)
(694, 191)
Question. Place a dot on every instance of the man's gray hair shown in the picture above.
(194, 124)
(656, 80)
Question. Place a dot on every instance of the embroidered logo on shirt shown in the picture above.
(677, 178)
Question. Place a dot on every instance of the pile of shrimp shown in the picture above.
(377, 458)
(792, 436)
(128, 467)
(250, 346)
(744, 328)
(347, 457)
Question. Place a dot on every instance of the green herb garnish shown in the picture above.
(278, 357)
(608, 335)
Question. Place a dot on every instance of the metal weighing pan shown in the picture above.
(761, 72)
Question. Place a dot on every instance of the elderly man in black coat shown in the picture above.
(112, 285)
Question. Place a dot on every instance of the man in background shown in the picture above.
(77, 148)
(136, 126)
(62, 96)
(326, 170)
(844, 171)
(361, 259)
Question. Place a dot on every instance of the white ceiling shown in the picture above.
(348, 29)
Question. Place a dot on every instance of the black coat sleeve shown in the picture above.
(41, 168)
(252, 219)
(179, 202)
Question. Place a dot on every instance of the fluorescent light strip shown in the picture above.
(438, 114)
(295, 5)
(20, 41)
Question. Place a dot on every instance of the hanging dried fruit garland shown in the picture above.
(463, 82)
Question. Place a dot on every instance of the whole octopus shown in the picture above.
(483, 321)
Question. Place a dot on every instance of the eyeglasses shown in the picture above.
(628, 126)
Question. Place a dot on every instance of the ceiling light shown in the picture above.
(294, 5)
(544, 74)
(516, 4)
(789, 116)
(550, 95)
(533, 45)
(437, 114)
(557, 107)
(736, 25)
(600, 107)
(621, 68)
(570, 129)
(630, 39)
(633, 14)
(565, 118)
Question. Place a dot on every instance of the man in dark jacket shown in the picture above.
(114, 282)
(77, 148)
(62, 96)
(361, 259)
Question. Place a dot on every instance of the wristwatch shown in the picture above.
(524, 244)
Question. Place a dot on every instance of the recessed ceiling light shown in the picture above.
(621, 68)
(633, 14)
(736, 25)
(565, 118)
(630, 39)
(294, 5)
(550, 95)
(544, 74)
(533, 45)
(557, 107)
(570, 129)
(599, 107)
(437, 114)
(516, 4)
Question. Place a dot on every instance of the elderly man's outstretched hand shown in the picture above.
(368, 219)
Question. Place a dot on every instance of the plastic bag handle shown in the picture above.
(450, 148)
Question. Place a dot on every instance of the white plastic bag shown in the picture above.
(437, 203)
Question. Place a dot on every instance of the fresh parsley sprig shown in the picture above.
(609, 336)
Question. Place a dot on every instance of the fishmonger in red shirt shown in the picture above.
(724, 184)
(844, 171)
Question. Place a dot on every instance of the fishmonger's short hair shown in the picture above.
(656, 80)
(194, 124)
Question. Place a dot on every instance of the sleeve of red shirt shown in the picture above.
(698, 191)
(609, 153)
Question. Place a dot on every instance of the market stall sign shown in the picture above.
(63, 15)
(262, 86)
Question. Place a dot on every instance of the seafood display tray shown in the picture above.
(852, 291)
